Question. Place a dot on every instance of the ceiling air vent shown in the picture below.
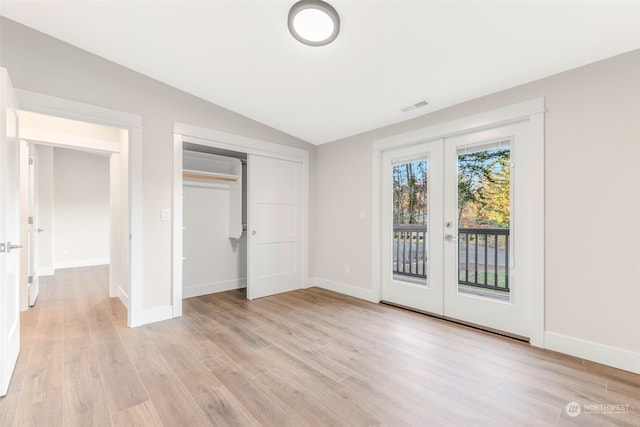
(414, 106)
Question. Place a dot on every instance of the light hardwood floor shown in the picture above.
(305, 358)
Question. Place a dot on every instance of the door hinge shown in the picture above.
(30, 220)
(30, 280)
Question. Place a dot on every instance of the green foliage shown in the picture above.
(484, 188)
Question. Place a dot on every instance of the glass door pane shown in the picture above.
(410, 218)
(484, 218)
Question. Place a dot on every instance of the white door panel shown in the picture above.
(416, 290)
(275, 218)
(511, 314)
(9, 232)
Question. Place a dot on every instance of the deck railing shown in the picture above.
(410, 250)
(483, 255)
(483, 258)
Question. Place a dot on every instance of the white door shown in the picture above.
(9, 232)
(34, 228)
(487, 267)
(461, 193)
(412, 190)
(275, 252)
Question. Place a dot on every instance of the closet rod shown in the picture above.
(212, 178)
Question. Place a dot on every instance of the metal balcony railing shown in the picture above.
(483, 258)
(410, 250)
(483, 255)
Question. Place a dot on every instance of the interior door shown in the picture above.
(487, 267)
(275, 251)
(9, 232)
(34, 228)
(412, 214)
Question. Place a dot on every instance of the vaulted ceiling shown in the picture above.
(389, 54)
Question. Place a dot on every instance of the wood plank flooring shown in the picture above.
(305, 358)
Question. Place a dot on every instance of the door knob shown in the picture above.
(253, 233)
(11, 247)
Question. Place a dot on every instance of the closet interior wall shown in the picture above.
(214, 220)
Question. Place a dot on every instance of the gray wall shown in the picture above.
(39, 63)
(81, 209)
(592, 155)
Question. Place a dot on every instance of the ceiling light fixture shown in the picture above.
(314, 22)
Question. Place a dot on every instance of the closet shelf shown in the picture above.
(210, 176)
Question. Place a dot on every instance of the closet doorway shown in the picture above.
(214, 239)
(237, 225)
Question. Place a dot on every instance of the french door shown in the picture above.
(455, 215)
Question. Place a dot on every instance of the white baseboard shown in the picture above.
(343, 288)
(212, 288)
(80, 263)
(595, 352)
(124, 298)
(46, 271)
(157, 314)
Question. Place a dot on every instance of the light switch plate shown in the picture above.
(165, 215)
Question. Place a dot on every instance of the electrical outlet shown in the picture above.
(347, 269)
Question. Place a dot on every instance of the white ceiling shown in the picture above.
(389, 54)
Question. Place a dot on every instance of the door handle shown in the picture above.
(450, 237)
(253, 233)
(39, 230)
(10, 247)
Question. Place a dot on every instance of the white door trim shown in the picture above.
(24, 214)
(59, 107)
(239, 143)
(500, 116)
(184, 132)
(531, 111)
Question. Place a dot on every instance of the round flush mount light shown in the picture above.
(314, 22)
